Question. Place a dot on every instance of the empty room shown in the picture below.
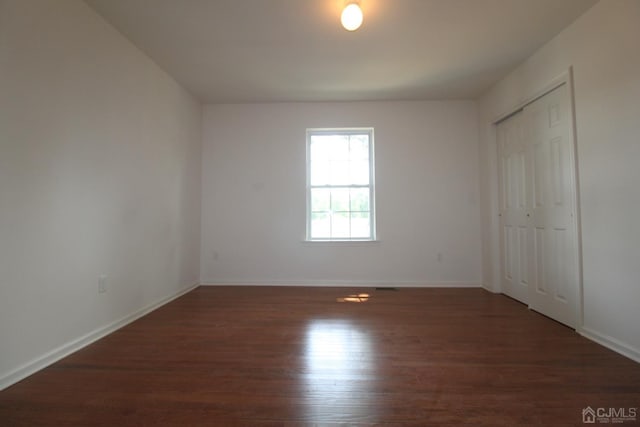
(319, 212)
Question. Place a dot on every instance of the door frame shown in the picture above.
(565, 78)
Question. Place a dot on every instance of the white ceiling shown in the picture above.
(296, 50)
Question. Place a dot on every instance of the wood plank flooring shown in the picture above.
(272, 356)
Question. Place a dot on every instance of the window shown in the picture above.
(340, 192)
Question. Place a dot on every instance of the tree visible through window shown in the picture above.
(340, 192)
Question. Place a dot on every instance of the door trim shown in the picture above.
(565, 78)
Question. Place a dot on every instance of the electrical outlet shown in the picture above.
(102, 283)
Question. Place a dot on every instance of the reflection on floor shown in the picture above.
(340, 362)
(354, 298)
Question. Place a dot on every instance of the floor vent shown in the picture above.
(386, 289)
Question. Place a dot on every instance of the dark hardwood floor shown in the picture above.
(224, 356)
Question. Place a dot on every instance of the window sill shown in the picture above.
(340, 242)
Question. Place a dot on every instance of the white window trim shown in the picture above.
(371, 186)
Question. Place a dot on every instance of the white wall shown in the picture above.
(253, 203)
(99, 174)
(602, 47)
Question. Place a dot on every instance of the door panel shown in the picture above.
(538, 177)
(539, 261)
(558, 256)
(508, 253)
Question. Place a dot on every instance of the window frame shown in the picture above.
(371, 186)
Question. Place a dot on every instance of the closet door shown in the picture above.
(551, 214)
(514, 189)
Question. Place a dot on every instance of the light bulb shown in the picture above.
(351, 17)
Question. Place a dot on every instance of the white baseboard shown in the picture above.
(611, 343)
(64, 350)
(342, 283)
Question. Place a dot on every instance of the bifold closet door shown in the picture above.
(553, 248)
(512, 151)
(537, 194)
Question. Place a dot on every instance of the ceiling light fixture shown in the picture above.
(351, 16)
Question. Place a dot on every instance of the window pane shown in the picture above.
(359, 147)
(340, 224)
(319, 173)
(320, 225)
(320, 200)
(320, 150)
(339, 172)
(338, 146)
(340, 200)
(359, 199)
(360, 225)
(359, 172)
